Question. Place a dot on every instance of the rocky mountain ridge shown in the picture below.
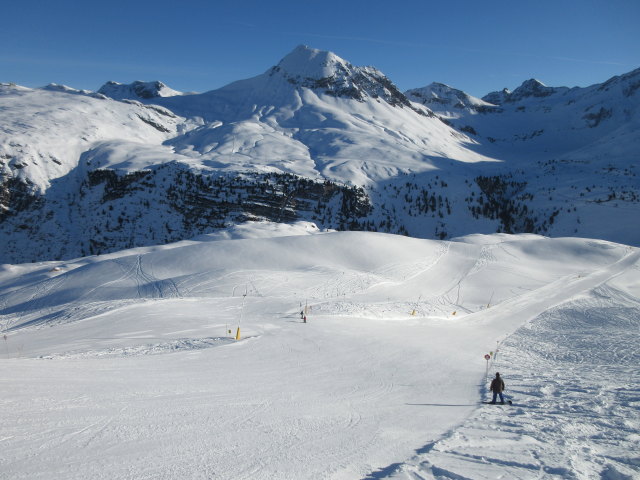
(137, 90)
(439, 95)
(528, 88)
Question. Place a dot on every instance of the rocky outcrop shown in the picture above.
(111, 211)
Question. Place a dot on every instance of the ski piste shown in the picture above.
(363, 389)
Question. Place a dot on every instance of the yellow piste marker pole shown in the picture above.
(413, 312)
(238, 334)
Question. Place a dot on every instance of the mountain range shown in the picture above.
(318, 139)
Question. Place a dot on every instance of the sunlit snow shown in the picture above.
(127, 365)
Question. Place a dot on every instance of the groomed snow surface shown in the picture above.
(126, 365)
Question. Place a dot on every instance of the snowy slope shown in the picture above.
(45, 131)
(125, 366)
(313, 114)
(316, 114)
(539, 122)
(571, 154)
(573, 376)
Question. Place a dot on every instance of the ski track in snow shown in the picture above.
(34, 303)
(485, 258)
(36, 309)
(148, 286)
(147, 349)
(352, 283)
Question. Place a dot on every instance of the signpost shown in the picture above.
(487, 357)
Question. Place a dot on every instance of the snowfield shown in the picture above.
(127, 366)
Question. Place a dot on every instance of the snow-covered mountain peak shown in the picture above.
(325, 71)
(137, 90)
(439, 97)
(497, 98)
(310, 63)
(533, 84)
(533, 88)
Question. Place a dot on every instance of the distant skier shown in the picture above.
(497, 387)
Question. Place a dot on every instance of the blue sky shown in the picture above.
(202, 45)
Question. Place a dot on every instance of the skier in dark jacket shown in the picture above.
(497, 387)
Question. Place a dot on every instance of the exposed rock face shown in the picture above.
(497, 98)
(111, 211)
(15, 197)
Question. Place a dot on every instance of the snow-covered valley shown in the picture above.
(126, 365)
